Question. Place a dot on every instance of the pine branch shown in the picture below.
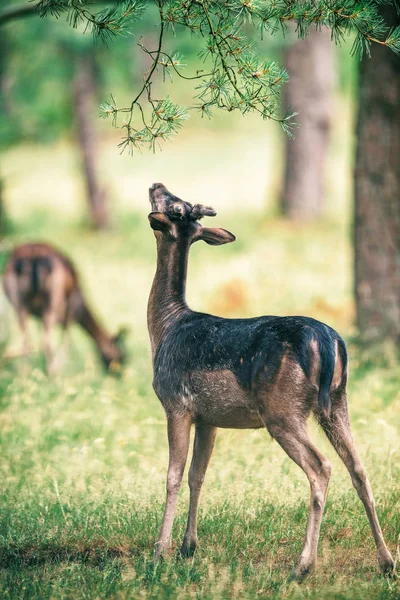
(20, 11)
(239, 78)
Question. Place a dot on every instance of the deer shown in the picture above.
(42, 282)
(264, 372)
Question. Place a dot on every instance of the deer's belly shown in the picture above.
(217, 398)
(232, 419)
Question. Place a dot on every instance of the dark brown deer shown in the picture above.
(243, 373)
(40, 281)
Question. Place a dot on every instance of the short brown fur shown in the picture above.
(39, 280)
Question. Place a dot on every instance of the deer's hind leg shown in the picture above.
(291, 434)
(202, 450)
(337, 429)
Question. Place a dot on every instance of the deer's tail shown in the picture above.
(328, 358)
(326, 375)
(327, 352)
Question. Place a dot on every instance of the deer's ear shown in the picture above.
(216, 236)
(160, 222)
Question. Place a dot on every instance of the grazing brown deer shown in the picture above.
(243, 373)
(40, 281)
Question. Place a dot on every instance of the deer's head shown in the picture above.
(113, 352)
(173, 219)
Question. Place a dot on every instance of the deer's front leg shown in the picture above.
(178, 439)
(10, 282)
(49, 322)
(23, 323)
(202, 450)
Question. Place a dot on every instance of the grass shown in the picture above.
(83, 456)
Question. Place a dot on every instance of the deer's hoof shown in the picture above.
(301, 572)
(387, 567)
(188, 548)
(158, 552)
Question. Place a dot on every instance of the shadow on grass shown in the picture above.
(95, 555)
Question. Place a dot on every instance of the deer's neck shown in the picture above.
(89, 323)
(167, 296)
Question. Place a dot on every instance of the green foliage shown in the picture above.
(37, 92)
(105, 24)
(237, 78)
(40, 57)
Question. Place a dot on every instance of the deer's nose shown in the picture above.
(154, 186)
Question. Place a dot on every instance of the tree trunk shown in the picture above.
(5, 80)
(5, 110)
(2, 212)
(309, 92)
(85, 109)
(377, 194)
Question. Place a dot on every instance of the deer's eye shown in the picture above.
(178, 209)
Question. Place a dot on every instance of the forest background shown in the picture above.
(83, 456)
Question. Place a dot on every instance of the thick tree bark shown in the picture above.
(309, 92)
(85, 108)
(377, 194)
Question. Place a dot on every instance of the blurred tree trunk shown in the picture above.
(377, 193)
(2, 212)
(309, 91)
(84, 91)
(5, 81)
(4, 111)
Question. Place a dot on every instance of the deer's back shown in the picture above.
(218, 367)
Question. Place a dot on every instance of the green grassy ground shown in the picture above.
(83, 456)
